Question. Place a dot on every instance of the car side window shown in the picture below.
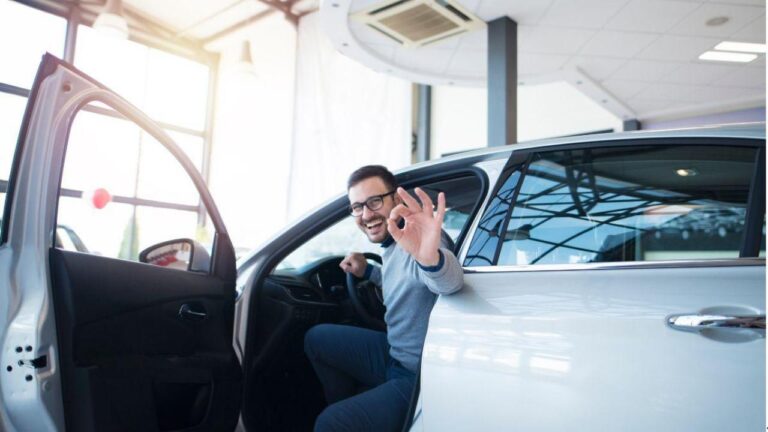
(628, 203)
(462, 195)
(123, 191)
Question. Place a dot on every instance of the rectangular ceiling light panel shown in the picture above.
(416, 23)
(727, 56)
(741, 47)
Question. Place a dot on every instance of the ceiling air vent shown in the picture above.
(415, 23)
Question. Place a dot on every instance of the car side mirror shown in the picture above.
(181, 254)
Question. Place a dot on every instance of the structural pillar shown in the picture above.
(424, 131)
(502, 82)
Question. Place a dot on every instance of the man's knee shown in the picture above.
(330, 420)
(316, 338)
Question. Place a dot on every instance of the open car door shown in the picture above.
(92, 342)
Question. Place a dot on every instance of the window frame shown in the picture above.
(520, 160)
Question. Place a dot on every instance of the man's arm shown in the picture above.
(447, 276)
(424, 239)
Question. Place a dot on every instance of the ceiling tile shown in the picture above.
(522, 11)
(696, 23)
(644, 70)
(534, 64)
(743, 2)
(617, 44)
(385, 52)
(672, 92)
(624, 90)
(476, 39)
(597, 68)
(589, 14)
(651, 15)
(552, 40)
(743, 77)
(721, 94)
(697, 73)
(679, 48)
(472, 63)
(753, 32)
(643, 106)
(358, 5)
(431, 61)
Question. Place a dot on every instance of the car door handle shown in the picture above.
(696, 322)
(188, 312)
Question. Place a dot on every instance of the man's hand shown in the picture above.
(354, 263)
(421, 235)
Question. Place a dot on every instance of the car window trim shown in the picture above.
(625, 265)
(751, 238)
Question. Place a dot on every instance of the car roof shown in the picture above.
(739, 131)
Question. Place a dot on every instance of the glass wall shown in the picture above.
(171, 89)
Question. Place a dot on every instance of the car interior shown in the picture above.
(283, 392)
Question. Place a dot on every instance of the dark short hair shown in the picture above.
(369, 171)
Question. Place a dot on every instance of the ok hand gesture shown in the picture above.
(420, 236)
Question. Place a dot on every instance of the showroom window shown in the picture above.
(619, 204)
(34, 32)
(107, 153)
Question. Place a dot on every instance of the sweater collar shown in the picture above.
(389, 240)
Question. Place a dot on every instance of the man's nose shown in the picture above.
(367, 213)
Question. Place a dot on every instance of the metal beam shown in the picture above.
(424, 130)
(70, 40)
(502, 82)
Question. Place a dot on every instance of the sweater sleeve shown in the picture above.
(373, 274)
(447, 277)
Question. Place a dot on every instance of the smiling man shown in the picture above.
(418, 265)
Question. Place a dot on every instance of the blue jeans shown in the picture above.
(349, 359)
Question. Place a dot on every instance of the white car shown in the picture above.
(612, 282)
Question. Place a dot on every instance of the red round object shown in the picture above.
(100, 198)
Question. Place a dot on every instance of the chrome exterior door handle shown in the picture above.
(695, 323)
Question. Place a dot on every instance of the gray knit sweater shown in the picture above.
(410, 291)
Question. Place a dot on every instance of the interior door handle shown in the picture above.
(188, 312)
(695, 323)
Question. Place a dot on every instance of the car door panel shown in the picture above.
(122, 355)
(590, 349)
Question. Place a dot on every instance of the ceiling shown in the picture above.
(638, 58)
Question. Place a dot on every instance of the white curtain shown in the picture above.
(345, 116)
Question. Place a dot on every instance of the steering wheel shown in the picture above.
(366, 298)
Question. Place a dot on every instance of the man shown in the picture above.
(418, 264)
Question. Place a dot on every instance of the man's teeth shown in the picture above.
(373, 225)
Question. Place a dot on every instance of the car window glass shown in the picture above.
(482, 250)
(344, 237)
(640, 203)
(122, 191)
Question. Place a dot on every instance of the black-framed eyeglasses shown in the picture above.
(373, 203)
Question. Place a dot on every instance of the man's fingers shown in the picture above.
(440, 207)
(394, 230)
(409, 200)
(426, 201)
(400, 211)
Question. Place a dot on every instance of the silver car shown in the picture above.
(611, 282)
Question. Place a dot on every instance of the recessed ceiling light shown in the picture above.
(717, 21)
(727, 56)
(686, 172)
(741, 47)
